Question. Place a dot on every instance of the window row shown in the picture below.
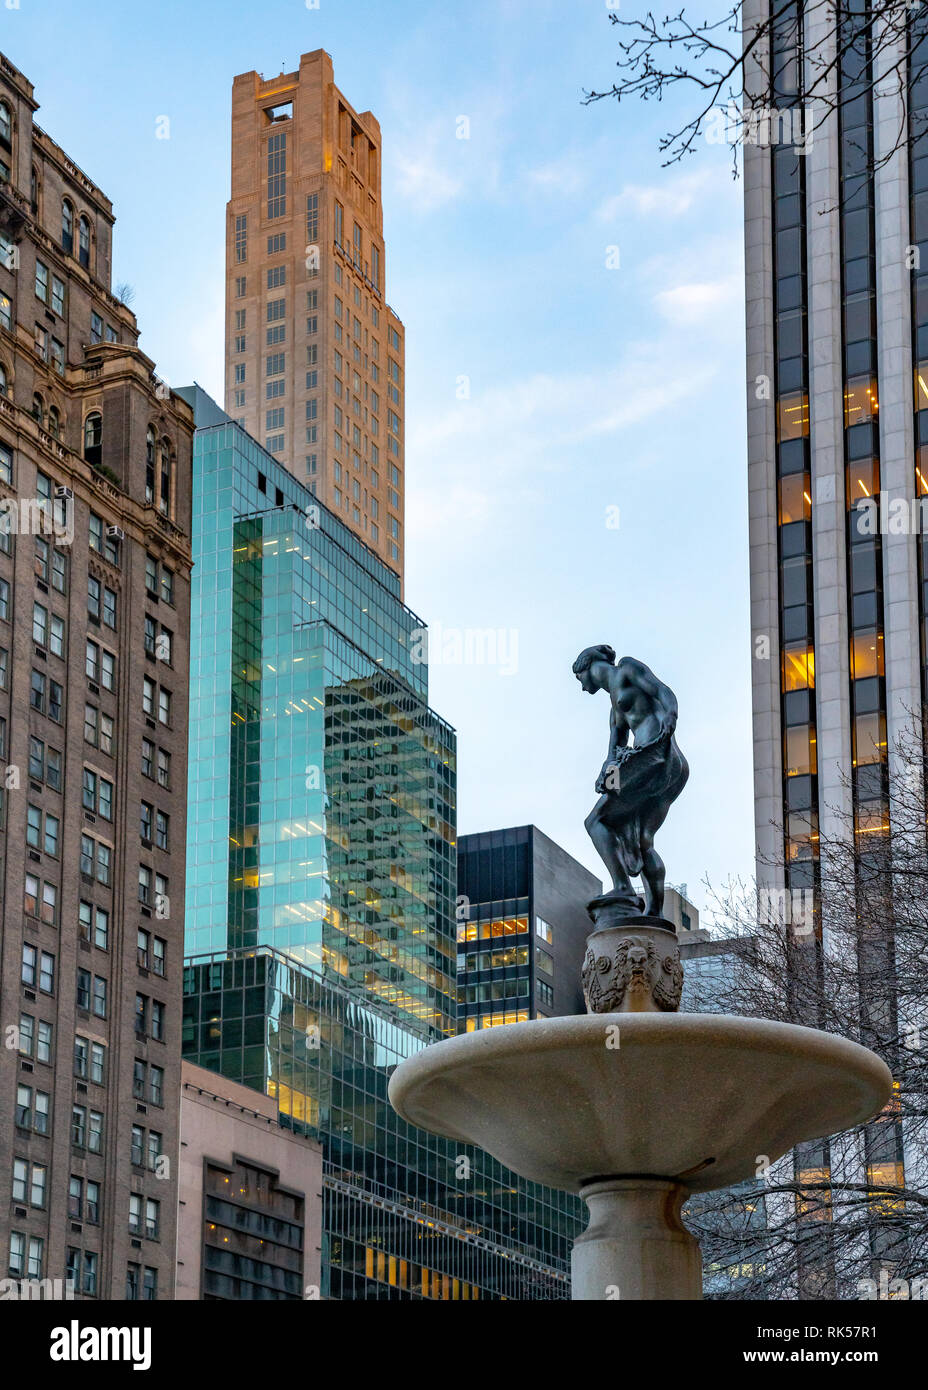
(146, 1148)
(144, 1216)
(149, 1018)
(154, 826)
(156, 700)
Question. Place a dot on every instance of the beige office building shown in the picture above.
(249, 1223)
(314, 354)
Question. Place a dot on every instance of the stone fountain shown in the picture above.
(635, 1105)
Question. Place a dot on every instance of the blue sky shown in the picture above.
(598, 393)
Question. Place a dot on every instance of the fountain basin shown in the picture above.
(701, 1100)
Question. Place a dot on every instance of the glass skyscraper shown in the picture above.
(322, 882)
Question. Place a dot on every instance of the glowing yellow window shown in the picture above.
(869, 738)
(866, 655)
(814, 1205)
(795, 498)
(801, 834)
(863, 480)
(920, 386)
(883, 1176)
(871, 818)
(860, 400)
(800, 751)
(921, 472)
(793, 416)
(798, 668)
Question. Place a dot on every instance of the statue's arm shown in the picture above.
(618, 734)
(618, 739)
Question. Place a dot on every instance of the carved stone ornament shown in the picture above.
(632, 972)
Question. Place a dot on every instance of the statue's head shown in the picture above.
(584, 668)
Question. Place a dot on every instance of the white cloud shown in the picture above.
(699, 300)
(667, 199)
(423, 181)
(565, 176)
(484, 455)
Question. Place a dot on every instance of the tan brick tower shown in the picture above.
(314, 354)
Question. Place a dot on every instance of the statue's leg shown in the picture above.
(604, 840)
(652, 871)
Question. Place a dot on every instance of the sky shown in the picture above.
(575, 429)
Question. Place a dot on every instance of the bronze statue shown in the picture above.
(638, 782)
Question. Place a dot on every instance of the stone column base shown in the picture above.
(635, 1247)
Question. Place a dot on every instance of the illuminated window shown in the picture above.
(866, 655)
(814, 1204)
(795, 498)
(801, 835)
(921, 386)
(798, 668)
(860, 400)
(887, 1179)
(869, 738)
(921, 474)
(800, 751)
(793, 416)
(871, 818)
(863, 480)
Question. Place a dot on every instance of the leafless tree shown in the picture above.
(823, 1222)
(753, 63)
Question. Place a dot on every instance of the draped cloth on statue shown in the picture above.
(647, 780)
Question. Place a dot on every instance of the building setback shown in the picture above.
(314, 354)
(95, 458)
(522, 927)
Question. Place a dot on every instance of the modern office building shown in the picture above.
(679, 910)
(522, 927)
(94, 598)
(836, 247)
(406, 1214)
(249, 1196)
(322, 877)
(834, 327)
(709, 966)
(321, 787)
(314, 354)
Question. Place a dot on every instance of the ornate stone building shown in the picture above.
(95, 459)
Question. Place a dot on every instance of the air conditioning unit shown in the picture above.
(64, 493)
(116, 533)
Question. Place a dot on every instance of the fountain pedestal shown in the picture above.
(636, 1246)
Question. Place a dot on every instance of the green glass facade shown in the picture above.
(406, 1214)
(321, 844)
(321, 787)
